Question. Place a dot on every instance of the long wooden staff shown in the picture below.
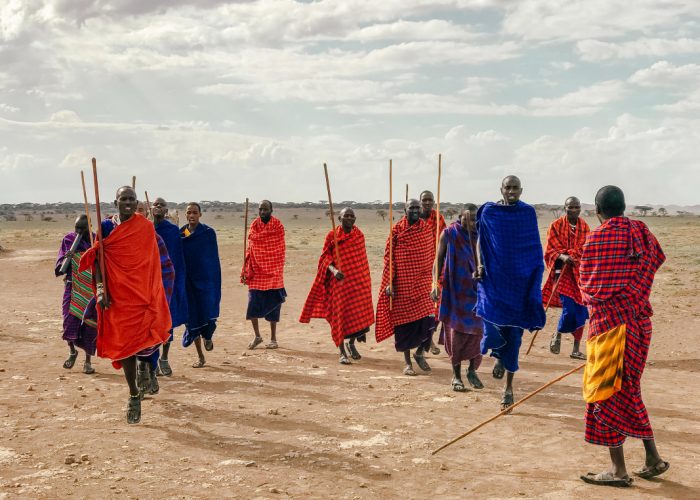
(148, 205)
(437, 217)
(133, 182)
(406, 193)
(100, 248)
(332, 215)
(87, 207)
(509, 409)
(245, 231)
(391, 236)
(554, 291)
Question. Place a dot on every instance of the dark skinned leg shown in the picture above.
(256, 327)
(72, 356)
(200, 352)
(508, 398)
(273, 331)
(617, 456)
(87, 366)
(353, 350)
(456, 371)
(166, 350)
(472, 377)
(652, 454)
(129, 366)
(133, 410)
(408, 369)
(343, 355)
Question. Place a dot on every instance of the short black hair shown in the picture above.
(514, 177)
(610, 201)
(124, 187)
(470, 206)
(196, 205)
(267, 201)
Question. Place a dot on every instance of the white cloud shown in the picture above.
(204, 98)
(689, 105)
(584, 101)
(577, 19)
(65, 116)
(627, 155)
(596, 50)
(433, 29)
(8, 108)
(666, 74)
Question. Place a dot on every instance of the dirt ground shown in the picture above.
(295, 423)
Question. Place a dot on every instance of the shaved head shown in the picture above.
(511, 179)
(125, 188)
(610, 202)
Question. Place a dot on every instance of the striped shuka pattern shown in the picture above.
(81, 292)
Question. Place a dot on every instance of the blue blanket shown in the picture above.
(178, 300)
(510, 293)
(203, 275)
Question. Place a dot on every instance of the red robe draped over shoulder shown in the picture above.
(347, 304)
(138, 316)
(263, 267)
(413, 264)
(561, 240)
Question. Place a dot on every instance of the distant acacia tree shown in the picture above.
(556, 211)
(451, 212)
(643, 209)
(662, 212)
(382, 214)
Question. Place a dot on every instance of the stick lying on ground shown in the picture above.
(509, 409)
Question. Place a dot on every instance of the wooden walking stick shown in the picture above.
(245, 231)
(406, 193)
(509, 409)
(87, 207)
(133, 182)
(554, 291)
(100, 248)
(332, 215)
(437, 208)
(148, 206)
(391, 236)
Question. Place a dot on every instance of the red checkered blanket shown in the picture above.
(413, 261)
(346, 304)
(562, 240)
(263, 267)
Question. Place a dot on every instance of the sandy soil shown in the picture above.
(295, 423)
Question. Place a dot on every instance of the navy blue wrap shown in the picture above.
(203, 275)
(511, 253)
(170, 234)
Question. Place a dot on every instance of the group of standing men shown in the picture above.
(486, 275)
(480, 277)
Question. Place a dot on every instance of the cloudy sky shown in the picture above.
(207, 100)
